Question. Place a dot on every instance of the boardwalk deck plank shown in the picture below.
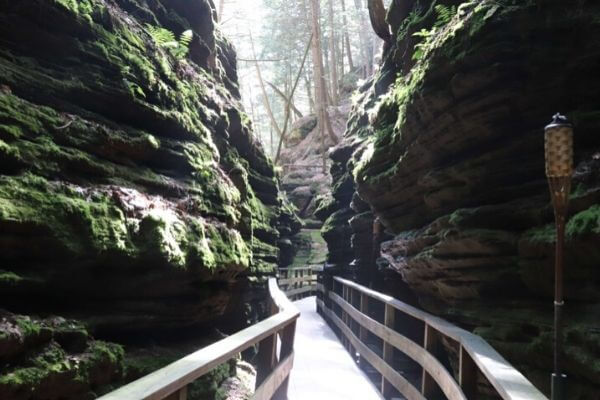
(323, 369)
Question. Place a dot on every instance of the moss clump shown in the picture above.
(8, 152)
(77, 223)
(9, 278)
(164, 234)
(28, 326)
(584, 223)
(53, 365)
(542, 234)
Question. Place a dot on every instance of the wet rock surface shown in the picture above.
(446, 148)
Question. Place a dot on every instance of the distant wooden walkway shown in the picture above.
(323, 369)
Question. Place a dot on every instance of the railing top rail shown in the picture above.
(280, 299)
(508, 382)
(297, 269)
(171, 378)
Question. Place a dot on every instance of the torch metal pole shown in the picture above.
(559, 188)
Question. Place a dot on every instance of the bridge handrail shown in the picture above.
(294, 280)
(474, 352)
(171, 382)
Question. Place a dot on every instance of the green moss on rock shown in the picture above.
(584, 223)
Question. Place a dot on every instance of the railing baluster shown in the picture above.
(363, 333)
(345, 342)
(349, 320)
(287, 347)
(266, 358)
(181, 394)
(431, 343)
(467, 374)
(388, 349)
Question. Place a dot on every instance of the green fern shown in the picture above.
(183, 46)
(166, 39)
(186, 38)
(444, 14)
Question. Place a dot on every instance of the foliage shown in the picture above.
(444, 15)
(166, 39)
(443, 18)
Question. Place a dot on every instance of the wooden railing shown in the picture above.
(297, 283)
(273, 367)
(474, 354)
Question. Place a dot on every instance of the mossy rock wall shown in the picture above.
(133, 195)
(446, 148)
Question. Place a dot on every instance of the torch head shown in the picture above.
(559, 148)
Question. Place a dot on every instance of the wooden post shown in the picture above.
(266, 358)
(301, 282)
(431, 342)
(345, 342)
(363, 333)
(467, 374)
(181, 394)
(388, 349)
(349, 321)
(287, 347)
(355, 301)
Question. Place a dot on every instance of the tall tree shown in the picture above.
(293, 90)
(365, 39)
(221, 6)
(266, 101)
(347, 37)
(377, 15)
(320, 88)
(333, 65)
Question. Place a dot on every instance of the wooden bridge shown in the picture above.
(300, 357)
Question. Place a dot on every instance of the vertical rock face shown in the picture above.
(446, 147)
(132, 194)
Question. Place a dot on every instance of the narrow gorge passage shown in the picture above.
(162, 161)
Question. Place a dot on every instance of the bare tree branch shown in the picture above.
(285, 99)
(264, 91)
(287, 111)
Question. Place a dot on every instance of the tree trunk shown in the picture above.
(326, 68)
(320, 89)
(346, 39)
(221, 4)
(377, 15)
(294, 87)
(335, 90)
(311, 101)
(341, 50)
(252, 108)
(365, 40)
(272, 143)
(264, 90)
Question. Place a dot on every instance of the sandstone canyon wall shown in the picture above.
(133, 199)
(445, 147)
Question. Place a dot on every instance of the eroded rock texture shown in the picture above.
(446, 148)
(132, 196)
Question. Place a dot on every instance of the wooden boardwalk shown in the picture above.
(323, 369)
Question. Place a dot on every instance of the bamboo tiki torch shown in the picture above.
(559, 169)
